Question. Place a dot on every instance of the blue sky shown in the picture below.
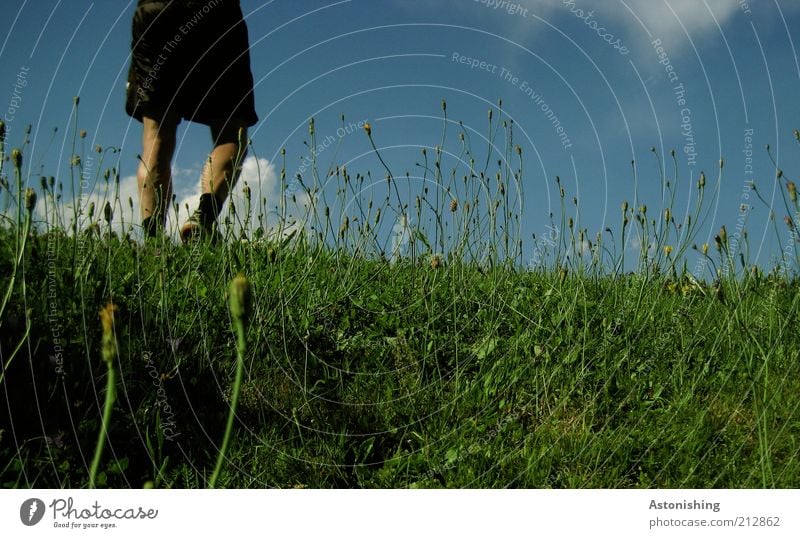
(589, 65)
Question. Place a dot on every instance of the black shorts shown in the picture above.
(190, 58)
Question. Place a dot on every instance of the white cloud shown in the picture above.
(628, 20)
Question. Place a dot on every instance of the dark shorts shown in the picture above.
(191, 59)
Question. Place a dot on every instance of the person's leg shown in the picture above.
(219, 175)
(155, 174)
(224, 164)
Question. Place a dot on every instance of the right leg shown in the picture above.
(155, 174)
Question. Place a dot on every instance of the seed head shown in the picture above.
(624, 207)
(702, 181)
(723, 235)
(436, 261)
(82, 134)
(792, 188)
(368, 129)
(246, 191)
(789, 222)
(444, 105)
(108, 212)
(2, 129)
(667, 215)
(108, 321)
(91, 210)
(16, 158)
(668, 250)
(30, 199)
(797, 135)
(240, 297)
(311, 127)
(453, 205)
(705, 249)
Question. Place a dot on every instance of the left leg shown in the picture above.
(219, 176)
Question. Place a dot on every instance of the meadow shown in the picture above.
(353, 351)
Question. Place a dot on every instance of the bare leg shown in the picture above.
(223, 166)
(155, 174)
(219, 176)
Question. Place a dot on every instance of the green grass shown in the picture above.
(365, 373)
(452, 366)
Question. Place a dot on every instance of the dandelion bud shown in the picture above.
(490, 114)
(30, 199)
(792, 188)
(668, 250)
(108, 322)
(98, 149)
(108, 212)
(240, 297)
(453, 205)
(16, 158)
(82, 134)
(368, 129)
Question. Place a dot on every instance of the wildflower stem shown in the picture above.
(108, 406)
(240, 300)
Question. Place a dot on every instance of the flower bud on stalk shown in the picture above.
(30, 199)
